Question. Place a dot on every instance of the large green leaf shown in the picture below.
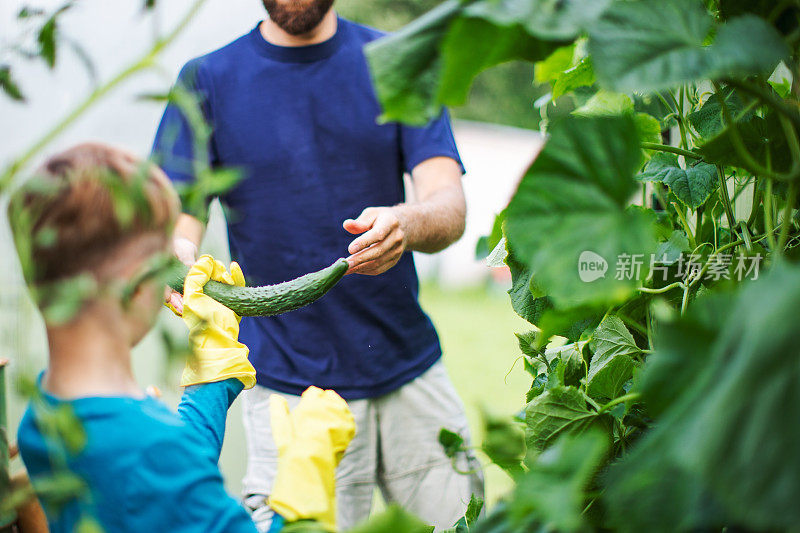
(573, 200)
(405, 66)
(431, 62)
(732, 429)
(608, 103)
(762, 137)
(571, 355)
(784, 20)
(691, 185)
(605, 103)
(553, 491)
(653, 44)
(708, 121)
(670, 251)
(496, 44)
(557, 411)
(570, 323)
(581, 75)
(523, 301)
(504, 442)
(612, 363)
(670, 371)
(760, 53)
(555, 64)
(550, 20)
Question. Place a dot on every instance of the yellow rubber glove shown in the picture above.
(213, 328)
(311, 441)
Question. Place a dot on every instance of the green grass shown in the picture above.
(477, 328)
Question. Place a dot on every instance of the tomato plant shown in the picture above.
(657, 233)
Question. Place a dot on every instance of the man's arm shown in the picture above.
(185, 241)
(429, 224)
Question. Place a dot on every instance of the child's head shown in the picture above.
(96, 213)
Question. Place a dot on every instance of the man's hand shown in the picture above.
(429, 224)
(186, 252)
(382, 243)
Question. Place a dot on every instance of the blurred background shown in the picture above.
(496, 134)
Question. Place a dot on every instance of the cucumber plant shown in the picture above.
(656, 234)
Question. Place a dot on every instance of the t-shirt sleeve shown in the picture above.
(184, 133)
(177, 487)
(204, 409)
(434, 140)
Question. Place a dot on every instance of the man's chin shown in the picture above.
(297, 18)
(297, 29)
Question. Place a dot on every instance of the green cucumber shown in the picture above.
(270, 299)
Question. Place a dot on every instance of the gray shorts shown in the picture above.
(395, 449)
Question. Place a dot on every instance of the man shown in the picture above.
(119, 459)
(291, 105)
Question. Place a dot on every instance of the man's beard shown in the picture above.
(297, 17)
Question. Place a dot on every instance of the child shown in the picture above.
(95, 217)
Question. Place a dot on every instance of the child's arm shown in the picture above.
(204, 408)
(218, 368)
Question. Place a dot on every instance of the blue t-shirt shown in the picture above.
(300, 123)
(144, 468)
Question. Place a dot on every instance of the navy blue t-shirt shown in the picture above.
(300, 123)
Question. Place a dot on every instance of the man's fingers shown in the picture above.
(378, 250)
(376, 235)
(376, 266)
(361, 268)
(361, 224)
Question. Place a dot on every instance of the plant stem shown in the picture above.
(726, 199)
(787, 217)
(671, 149)
(769, 223)
(685, 299)
(757, 194)
(681, 117)
(666, 104)
(685, 223)
(698, 223)
(658, 189)
(140, 64)
(705, 267)
(592, 402)
(662, 290)
(616, 401)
